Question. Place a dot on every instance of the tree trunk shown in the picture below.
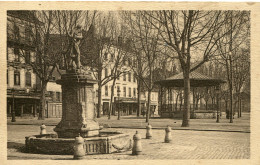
(99, 99)
(193, 102)
(206, 104)
(231, 74)
(240, 107)
(181, 99)
(231, 104)
(227, 112)
(148, 108)
(186, 112)
(237, 107)
(138, 98)
(111, 98)
(197, 104)
(42, 101)
(176, 104)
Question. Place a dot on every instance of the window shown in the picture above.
(28, 36)
(105, 56)
(106, 90)
(17, 55)
(16, 32)
(124, 76)
(32, 56)
(106, 72)
(129, 93)
(22, 32)
(134, 92)
(124, 92)
(96, 93)
(10, 29)
(118, 77)
(118, 91)
(28, 78)
(120, 40)
(134, 78)
(112, 57)
(129, 61)
(129, 77)
(51, 93)
(53, 78)
(10, 54)
(58, 98)
(27, 57)
(16, 77)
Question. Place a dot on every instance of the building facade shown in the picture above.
(125, 94)
(54, 99)
(22, 95)
(125, 90)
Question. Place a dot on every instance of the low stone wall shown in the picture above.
(201, 114)
(107, 142)
(205, 115)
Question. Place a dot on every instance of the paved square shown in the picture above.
(186, 144)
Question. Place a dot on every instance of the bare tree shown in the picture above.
(241, 75)
(102, 43)
(148, 38)
(189, 33)
(50, 26)
(236, 30)
(119, 53)
(138, 66)
(37, 33)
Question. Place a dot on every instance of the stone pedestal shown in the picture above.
(78, 114)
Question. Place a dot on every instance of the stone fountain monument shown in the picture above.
(78, 113)
(77, 96)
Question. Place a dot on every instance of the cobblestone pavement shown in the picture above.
(186, 145)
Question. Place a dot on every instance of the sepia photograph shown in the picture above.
(135, 84)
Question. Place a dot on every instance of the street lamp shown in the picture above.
(118, 107)
(13, 111)
(217, 89)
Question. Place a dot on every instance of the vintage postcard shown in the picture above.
(129, 82)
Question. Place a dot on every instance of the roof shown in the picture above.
(193, 75)
(24, 15)
(196, 80)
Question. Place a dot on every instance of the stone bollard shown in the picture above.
(148, 131)
(168, 135)
(79, 148)
(137, 146)
(43, 129)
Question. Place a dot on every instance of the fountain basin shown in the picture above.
(104, 143)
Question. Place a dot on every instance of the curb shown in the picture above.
(182, 129)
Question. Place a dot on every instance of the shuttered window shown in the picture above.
(28, 79)
(16, 77)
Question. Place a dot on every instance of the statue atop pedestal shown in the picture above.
(73, 58)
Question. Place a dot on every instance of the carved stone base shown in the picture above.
(105, 143)
(78, 109)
